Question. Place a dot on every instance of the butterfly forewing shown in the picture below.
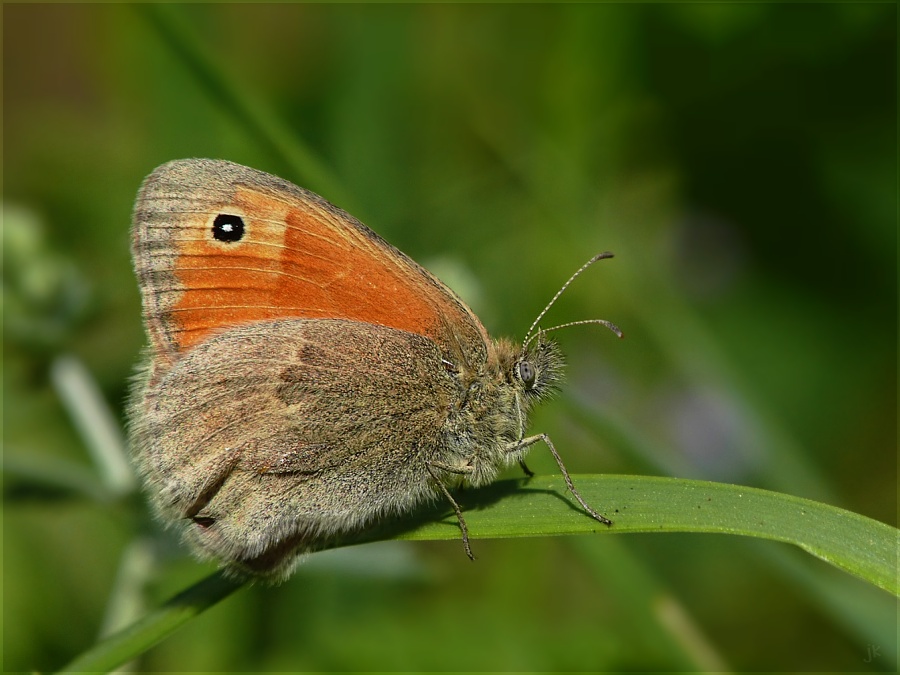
(281, 252)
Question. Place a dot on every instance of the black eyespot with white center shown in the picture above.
(527, 374)
(228, 228)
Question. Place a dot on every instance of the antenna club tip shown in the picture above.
(614, 328)
(602, 256)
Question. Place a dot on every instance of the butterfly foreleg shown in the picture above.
(531, 440)
(431, 466)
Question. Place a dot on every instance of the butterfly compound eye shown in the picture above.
(228, 228)
(526, 373)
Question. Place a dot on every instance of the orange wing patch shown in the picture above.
(295, 260)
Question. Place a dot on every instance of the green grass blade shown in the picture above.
(127, 644)
(540, 507)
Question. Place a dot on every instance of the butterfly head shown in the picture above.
(538, 369)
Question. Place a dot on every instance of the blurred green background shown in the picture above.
(740, 160)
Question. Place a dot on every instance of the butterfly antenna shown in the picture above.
(600, 256)
(600, 322)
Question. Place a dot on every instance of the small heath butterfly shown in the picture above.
(306, 378)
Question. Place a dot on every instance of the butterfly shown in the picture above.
(305, 379)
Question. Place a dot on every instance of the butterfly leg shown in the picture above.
(459, 516)
(528, 472)
(531, 440)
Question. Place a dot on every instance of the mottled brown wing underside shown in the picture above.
(296, 430)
